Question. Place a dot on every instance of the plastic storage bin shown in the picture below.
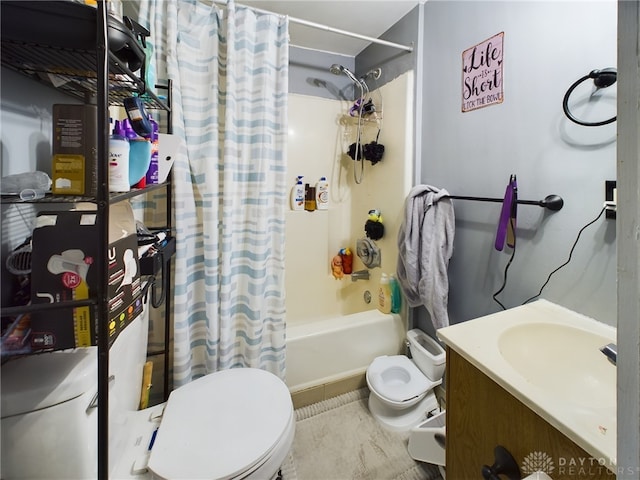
(426, 441)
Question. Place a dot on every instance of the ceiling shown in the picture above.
(365, 17)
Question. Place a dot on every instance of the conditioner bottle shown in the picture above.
(322, 194)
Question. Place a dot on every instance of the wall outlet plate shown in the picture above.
(610, 196)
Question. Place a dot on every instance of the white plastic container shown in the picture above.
(297, 195)
(384, 294)
(118, 160)
(322, 194)
(426, 441)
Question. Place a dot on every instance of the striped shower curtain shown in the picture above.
(230, 74)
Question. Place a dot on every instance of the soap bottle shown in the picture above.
(118, 160)
(384, 294)
(309, 198)
(396, 295)
(297, 195)
(347, 260)
(322, 194)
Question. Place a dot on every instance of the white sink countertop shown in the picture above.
(549, 358)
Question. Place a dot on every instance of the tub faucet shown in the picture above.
(611, 352)
(360, 275)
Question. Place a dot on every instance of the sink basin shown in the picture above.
(563, 360)
(548, 357)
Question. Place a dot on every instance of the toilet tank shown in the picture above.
(427, 354)
(47, 408)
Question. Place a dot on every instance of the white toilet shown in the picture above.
(236, 423)
(402, 393)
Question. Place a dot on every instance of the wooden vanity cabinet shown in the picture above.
(481, 415)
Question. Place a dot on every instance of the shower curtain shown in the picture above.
(229, 68)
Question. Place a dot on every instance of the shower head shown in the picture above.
(373, 73)
(339, 70)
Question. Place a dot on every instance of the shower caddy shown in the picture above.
(85, 47)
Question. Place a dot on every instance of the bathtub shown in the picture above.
(326, 350)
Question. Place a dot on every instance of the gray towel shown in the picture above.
(425, 245)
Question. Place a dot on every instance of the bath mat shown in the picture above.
(338, 439)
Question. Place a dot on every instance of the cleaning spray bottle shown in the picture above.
(118, 160)
(384, 294)
(297, 194)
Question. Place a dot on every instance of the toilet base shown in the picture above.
(402, 420)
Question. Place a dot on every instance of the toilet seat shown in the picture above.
(209, 426)
(397, 379)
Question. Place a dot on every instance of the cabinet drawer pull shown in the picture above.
(504, 464)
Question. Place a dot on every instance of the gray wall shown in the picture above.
(309, 74)
(394, 62)
(546, 49)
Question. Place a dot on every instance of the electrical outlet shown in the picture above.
(610, 198)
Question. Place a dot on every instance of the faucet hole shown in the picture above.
(367, 296)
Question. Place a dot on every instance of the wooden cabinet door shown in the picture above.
(481, 414)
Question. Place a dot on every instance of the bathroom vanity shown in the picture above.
(534, 381)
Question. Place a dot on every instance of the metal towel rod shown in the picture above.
(550, 202)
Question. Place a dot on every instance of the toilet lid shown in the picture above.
(397, 378)
(221, 425)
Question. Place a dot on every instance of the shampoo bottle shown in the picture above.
(297, 195)
(322, 194)
(384, 294)
(118, 160)
(396, 296)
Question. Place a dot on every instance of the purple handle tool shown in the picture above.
(505, 214)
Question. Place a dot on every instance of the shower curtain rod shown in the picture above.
(327, 28)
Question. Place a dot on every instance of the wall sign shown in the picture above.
(482, 74)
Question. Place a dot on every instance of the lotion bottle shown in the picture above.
(322, 194)
(384, 294)
(297, 195)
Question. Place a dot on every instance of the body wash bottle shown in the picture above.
(384, 294)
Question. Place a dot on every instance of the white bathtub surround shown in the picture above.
(320, 132)
(549, 358)
(328, 350)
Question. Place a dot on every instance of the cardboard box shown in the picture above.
(64, 250)
(75, 146)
